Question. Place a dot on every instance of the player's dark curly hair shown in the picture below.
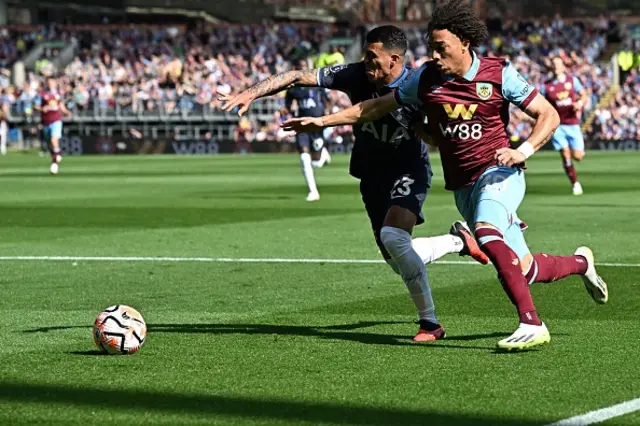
(457, 16)
(391, 37)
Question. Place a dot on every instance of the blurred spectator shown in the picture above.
(243, 135)
(619, 119)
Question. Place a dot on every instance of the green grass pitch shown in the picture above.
(294, 343)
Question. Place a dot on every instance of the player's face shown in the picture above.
(379, 62)
(448, 51)
(51, 83)
(558, 66)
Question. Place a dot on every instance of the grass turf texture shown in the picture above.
(284, 344)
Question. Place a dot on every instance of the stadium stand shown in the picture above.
(135, 74)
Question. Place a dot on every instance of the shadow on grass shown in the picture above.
(94, 352)
(333, 332)
(55, 328)
(239, 407)
(344, 332)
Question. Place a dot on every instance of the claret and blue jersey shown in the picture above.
(467, 116)
(563, 93)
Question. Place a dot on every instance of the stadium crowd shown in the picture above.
(618, 119)
(143, 68)
(146, 69)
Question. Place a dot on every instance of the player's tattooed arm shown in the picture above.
(285, 80)
(268, 87)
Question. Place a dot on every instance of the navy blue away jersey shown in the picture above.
(384, 148)
(311, 101)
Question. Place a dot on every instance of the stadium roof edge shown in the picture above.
(172, 11)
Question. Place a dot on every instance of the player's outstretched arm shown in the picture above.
(547, 121)
(368, 110)
(268, 87)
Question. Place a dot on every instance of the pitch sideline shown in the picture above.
(602, 415)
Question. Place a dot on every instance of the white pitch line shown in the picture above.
(601, 415)
(242, 260)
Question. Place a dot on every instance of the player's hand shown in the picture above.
(577, 107)
(242, 100)
(509, 157)
(303, 125)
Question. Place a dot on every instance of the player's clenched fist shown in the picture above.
(509, 157)
(304, 125)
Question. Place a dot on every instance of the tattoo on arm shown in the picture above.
(282, 81)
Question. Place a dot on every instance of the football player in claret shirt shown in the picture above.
(52, 108)
(391, 162)
(466, 99)
(566, 94)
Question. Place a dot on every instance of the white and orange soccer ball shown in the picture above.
(119, 330)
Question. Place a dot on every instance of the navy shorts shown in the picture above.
(311, 141)
(408, 191)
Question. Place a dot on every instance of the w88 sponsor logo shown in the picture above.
(462, 131)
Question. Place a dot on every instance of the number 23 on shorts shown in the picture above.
(402, 187)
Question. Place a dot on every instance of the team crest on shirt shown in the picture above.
(567, 86)
(484, 90)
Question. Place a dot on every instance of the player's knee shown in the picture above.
(401, 218)
(383, 250)
(578, 155)
(526, 263)
(397, 241)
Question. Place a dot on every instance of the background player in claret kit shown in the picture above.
(311, 102)
(390, 160)
(466, 99)
(566, 94)
(52, 108)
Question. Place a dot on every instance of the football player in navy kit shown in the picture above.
(390, 159)
(310, 102)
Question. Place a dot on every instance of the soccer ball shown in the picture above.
(119, 330)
